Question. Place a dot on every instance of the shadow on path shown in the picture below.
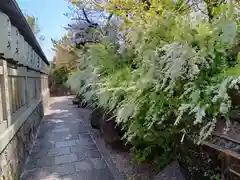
(64, 148)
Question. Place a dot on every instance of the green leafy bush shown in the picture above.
(60, 75)
(169, 81)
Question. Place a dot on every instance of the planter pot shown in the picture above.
(235, 97)
(171, 171)
(82, 104)
(79, 102)
(76, 100)
(111, 132)
(184, 170)
(96, 117)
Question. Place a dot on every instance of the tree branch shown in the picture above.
(87, 19)
(107, 25)
(109, 17)
(210, 6)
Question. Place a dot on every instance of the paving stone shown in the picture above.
(65, 115)
(55, 121)
(79, 127)
(40, 174)
(91, 164)
(39, 163)
(93, 154)
(82, 149)
(63, 169)
(61, 125)
(90, 175)
(59, 151)
(89, 154)
(84, 142)
(64, 149)
(39, 146)
(76, 176)
(49, 173)
(44, 135)
(66, 143)
(62, 136)
(85, 136)
(83, 166)
(85, 139)
(38, 154)
(56, 130)
(45, 162)
(65, 159)
(98, 163)
(103, 175)
(43, 143)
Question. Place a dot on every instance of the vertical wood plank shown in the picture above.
(27, 82)
(6, 98)
(3, 123)
(1, 100)
(10, 93)
(25, 93)
(14, 100)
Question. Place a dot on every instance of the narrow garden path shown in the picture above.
(64, 148)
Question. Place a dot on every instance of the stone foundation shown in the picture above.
(13, 157)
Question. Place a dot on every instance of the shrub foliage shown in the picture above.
(167, 77)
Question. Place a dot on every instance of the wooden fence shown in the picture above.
(19, 88)
(23, 72)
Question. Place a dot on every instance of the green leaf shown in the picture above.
(234, 71)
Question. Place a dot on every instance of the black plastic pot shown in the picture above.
(184, 170)
(76, 100)
(82, 104)
(111, 132)
(96, 117)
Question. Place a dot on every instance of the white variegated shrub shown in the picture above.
(167, 78)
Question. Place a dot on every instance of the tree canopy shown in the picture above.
(33, 23)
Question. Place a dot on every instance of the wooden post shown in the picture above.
(1, 102)
(1, 90)
(28, 90)
(3, 123)
(26, 86)
(6, 96)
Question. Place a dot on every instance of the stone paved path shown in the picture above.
(64, 148)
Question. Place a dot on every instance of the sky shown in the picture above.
(50, 17)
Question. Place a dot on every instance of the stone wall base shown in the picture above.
(13, 157)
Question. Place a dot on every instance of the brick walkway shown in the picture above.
(64, 148)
